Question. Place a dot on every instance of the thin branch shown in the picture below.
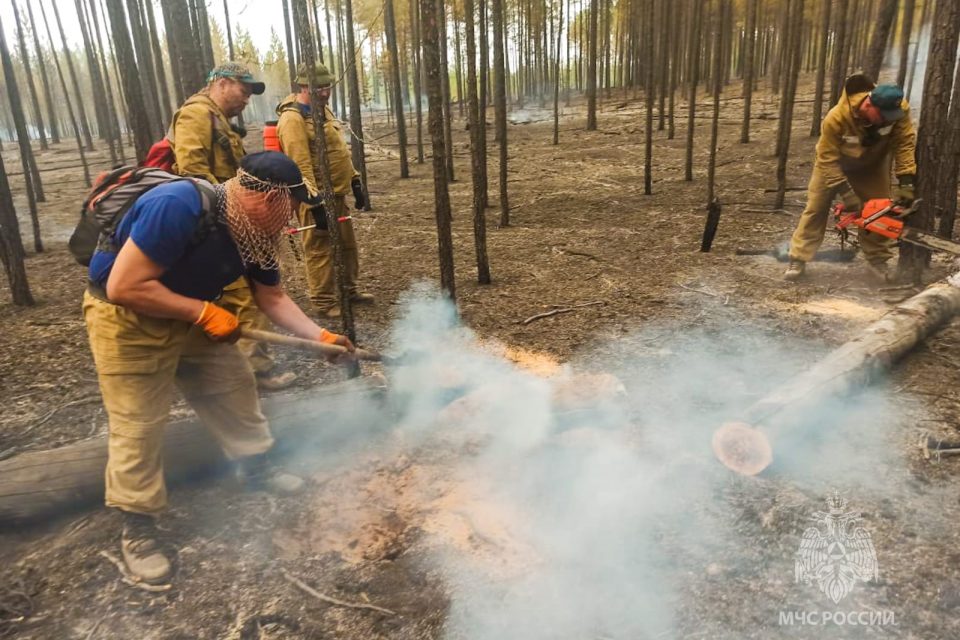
(555, 312)
(325, 598)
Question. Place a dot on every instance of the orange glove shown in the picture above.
(328, 337)
(218, 323)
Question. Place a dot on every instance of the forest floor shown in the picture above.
(623, 530)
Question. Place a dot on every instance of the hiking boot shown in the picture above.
(257, 473)
(795, 270)
(274, 381)
(141, 549)
(330, 312)
(879, 271)
(359, 297)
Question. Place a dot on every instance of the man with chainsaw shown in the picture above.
(207, 146)
(296, 135)
(869, 128)
(154, 321)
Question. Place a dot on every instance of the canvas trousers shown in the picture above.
(318, 258)
(139, 360)
(873, 182)
(238, 299)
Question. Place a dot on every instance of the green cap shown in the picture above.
(322, 75)
(237, 71)
(888, 98)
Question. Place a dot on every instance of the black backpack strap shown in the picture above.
(209, 214)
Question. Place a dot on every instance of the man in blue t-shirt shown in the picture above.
(153, 323)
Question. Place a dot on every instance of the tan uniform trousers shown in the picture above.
(318, 258)
(808, 236)
(238, 300)
(139, 360)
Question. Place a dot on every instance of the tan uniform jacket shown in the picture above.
(296, 135)
(203, 142)
(840, 150)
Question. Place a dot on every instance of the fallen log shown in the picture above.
(40, 484)
(743, 445)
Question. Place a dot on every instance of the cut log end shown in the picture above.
(742, 448)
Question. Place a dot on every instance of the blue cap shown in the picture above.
(888, 98)
(275, 167)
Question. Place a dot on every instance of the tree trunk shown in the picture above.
(11, 244)
(44, 78)
(500, 105)
(31, 85)
(96, 82)
(45, 483)
(81, 110)
(821, 69)
(390, 25)
(189, 73)
(911, 74)
(430, 11)
(723, 6)
(321, 174)
(556, 81)
(148, 83)
(23, 139)
(66, 99)
(933, 135)
(881, 34)
(114, 120)
(649, 91)
(951, 164)
(356, 122)
(417, 74)
(476, 149)
(789, 95)
(697, 17)
(202, 31)
(164, 91)
(592, 68)
(291, 59)
(484, 97)
(839, 62)
(749, 44)
(445, 87)
(132, 88)
(906, 29)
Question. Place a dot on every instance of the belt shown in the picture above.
(97, 291)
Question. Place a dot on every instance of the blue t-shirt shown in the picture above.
(163, 224)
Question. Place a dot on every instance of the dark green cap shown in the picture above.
(888, 98)
(322, 75)
(237, 71)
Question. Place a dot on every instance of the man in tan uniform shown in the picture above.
(207, 146)
(155, 322)
(296, 133)
(868, 127)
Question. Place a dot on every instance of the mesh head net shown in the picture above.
(257, 212)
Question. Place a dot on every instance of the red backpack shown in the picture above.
(160, 156)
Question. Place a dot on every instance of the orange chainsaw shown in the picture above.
(883, 216)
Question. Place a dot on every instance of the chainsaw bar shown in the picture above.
(929, 241)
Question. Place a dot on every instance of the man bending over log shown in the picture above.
(153, 323)
(868, 127)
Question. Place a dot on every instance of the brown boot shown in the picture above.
(361, 297)
(276, 380)
(257, 473)
(141, 550)
(795, 270)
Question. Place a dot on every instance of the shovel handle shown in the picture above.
(322, 348)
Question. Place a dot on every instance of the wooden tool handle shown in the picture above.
(322, 348)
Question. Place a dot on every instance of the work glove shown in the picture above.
(218, 323)
(851, 201)
(359, 201)
(319, 216)
(903, 193)
(328, 337)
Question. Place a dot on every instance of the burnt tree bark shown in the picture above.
(81, 110)
(66, 99)
(881, 35)
(592, 68)
(11, 244)
(163, 94)
(356, 122)
(821, 68)
(933, 135)
(44, 78)
(476, 149)
(694, 53)
(749, 44)
(132, 88)
(906, 29)
(500, 105)
(839, 45)
(430, 15)
(792, 66)
(23, 140)
(96, 82)
(390, 26)
(31, 85)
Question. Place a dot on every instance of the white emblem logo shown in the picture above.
(839, 554)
